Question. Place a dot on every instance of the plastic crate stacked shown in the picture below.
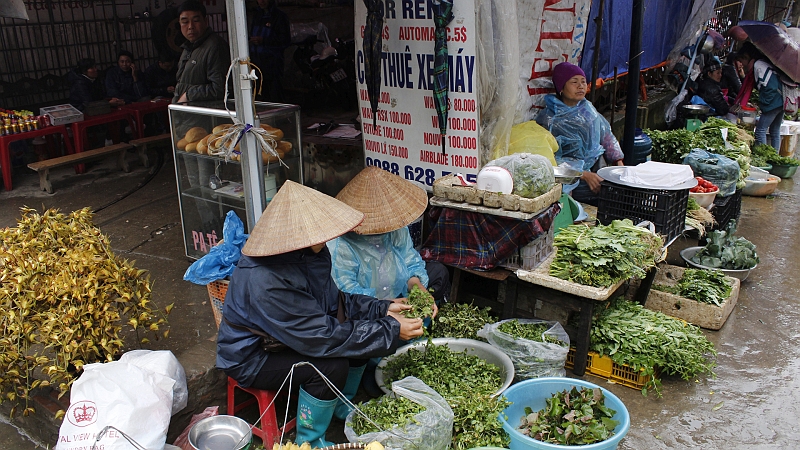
(530, 256)
(727, 208)
(605, 367)
(666, 209)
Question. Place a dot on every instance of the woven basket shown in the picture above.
(216, 293)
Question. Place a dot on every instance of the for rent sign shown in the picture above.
(405, 138)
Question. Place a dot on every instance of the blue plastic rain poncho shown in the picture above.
(581, 132)
(292, 297)
(378, 265)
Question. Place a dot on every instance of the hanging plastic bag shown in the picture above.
(531, 359)
(165, 363)
(671, 112)
(434, 427)
(718, 169)
(221, 260)
(133, 400)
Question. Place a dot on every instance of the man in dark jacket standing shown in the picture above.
(205, 59)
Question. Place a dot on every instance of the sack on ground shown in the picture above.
(165, 363)
(133, 400)
(434, 427)
(531, 359)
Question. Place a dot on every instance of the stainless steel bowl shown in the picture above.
(480, 349)
(688, 253)
(221, 433)
(565, 175)
(696, 110)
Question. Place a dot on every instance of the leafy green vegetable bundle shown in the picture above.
(574, 417)
(726, 251)
(467, 383)
(386, 411)
(460, 320)
(605, 254)
(705, 286)
(644, 339)
(421, 302)
(761, 154)
(530, 331)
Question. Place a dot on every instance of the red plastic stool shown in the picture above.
(269, 431)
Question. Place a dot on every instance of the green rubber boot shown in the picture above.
(313, 417)
(349, 391)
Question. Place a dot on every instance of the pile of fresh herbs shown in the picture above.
(643, 339)
(574, 417)
(530, 331)
(605, 254)
(467, 382)
(387, 412)
(761, 154)
(726, 251)
(705, 286)
(421, 302)
(671, 146)
(783, 161)
(460, 320)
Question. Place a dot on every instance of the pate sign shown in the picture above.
(403, 136)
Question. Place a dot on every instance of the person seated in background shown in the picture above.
(160, 76)
(125, 81)
(378, 257)
(708, 88)
(85, 87)
(583, 134)
(281, 294)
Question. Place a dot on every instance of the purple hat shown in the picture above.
(563, 72)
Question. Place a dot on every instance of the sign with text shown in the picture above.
(550, 32)
(405, 138)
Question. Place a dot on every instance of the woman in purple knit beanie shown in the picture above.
(583, 135)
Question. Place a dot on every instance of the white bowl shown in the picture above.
(759, 186)
(704, 199)
(688, 253)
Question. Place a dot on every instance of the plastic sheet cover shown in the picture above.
(498, 69)
(531, 359)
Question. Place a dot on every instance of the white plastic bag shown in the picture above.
(165, 363)
(434, 430)
(135, 401)
(531, 359)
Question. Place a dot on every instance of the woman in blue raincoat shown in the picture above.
(282, 307)
(583, 134)
(378, 257)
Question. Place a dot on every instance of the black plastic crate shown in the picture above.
(666, 209)
(727, 208)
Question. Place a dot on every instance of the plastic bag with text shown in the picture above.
(531, 359)
(432, 431)
(133, 400)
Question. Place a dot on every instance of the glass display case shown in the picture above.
(209, 186)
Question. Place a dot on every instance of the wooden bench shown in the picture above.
(141, 145)
(43, 167)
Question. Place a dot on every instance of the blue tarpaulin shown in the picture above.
(663, 22)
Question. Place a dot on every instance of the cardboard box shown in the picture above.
(704, 315)
(61, 114)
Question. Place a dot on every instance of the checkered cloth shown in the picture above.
(476, 241)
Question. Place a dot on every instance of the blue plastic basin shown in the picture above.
(533, 393)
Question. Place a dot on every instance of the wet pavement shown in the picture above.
(752, 403)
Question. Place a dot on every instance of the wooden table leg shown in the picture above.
(456, 284)
(584, 334)
(644, 286)
(510, 301)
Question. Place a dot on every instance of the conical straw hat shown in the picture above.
(299, 217)
(387, 201)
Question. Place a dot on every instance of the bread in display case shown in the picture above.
(208, 185)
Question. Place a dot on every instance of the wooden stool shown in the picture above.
(269, 431)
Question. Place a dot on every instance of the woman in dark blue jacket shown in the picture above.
(282, 292)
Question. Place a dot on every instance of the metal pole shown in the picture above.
(634, 64)
(596, 56)
(255, 198)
